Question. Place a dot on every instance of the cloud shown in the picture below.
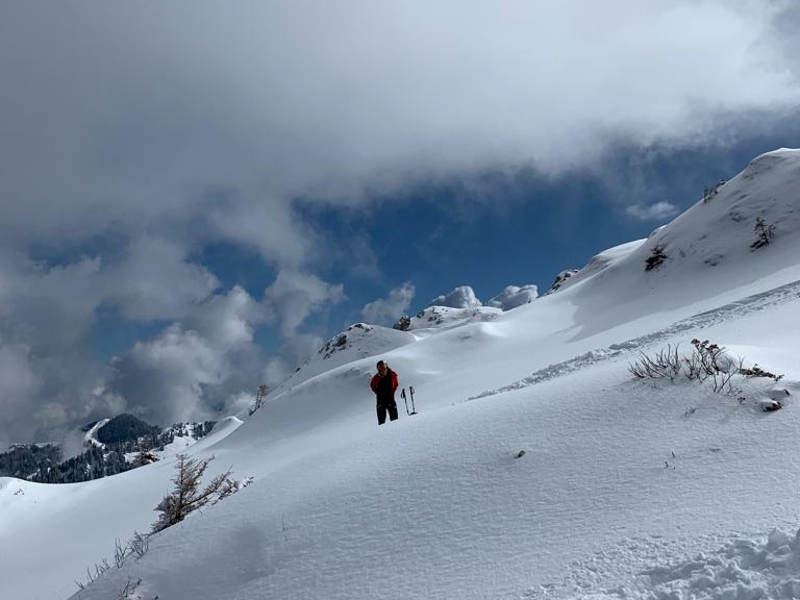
(194, 368)
(327, 100)
(43, 396)
(155, 281)
(461, 297)
(228, 320)
(293, 352)
(513, 296)
(50, 383)
(48, 307)
(165, 377)
(294, 296)
(657, 211)
(267, 225)
(391, 308)
(18, 384)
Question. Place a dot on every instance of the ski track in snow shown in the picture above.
(743, 569)
(739, 308)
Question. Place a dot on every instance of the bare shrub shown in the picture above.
(139, 544)
(707, 362)
(99, 569)
(187, 495)
(121, 553)
(756, 371)
(710, 191)
(665, 364)
(261, 394)
(764, 234)
(130, 587)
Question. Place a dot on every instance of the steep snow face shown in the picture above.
(721, 230)
(596, 265)
(710, 249)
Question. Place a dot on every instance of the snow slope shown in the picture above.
(357, 341)
(90, 439)
(625, 489)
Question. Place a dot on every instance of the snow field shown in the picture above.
(442, 506)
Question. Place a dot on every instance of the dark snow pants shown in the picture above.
(383, 408)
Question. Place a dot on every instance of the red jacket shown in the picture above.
(381, 390)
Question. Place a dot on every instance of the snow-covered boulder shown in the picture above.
(440, 317)
(513, 296)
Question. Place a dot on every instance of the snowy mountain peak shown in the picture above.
(743, 215)
(742, 229)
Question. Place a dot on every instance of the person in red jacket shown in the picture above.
(384, 384)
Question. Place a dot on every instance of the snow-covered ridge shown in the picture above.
(717, 233)
(357, 342)
(445, 317)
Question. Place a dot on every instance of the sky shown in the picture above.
(193, 197)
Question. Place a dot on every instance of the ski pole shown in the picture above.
(403, 395)
(413, 408)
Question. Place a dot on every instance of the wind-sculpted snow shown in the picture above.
(756, 302)
(743, 569)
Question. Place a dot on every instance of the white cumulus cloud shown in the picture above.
(293, 296)
(461, 297)
(391, 308)
(658, 211)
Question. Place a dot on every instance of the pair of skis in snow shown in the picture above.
(405, 399)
